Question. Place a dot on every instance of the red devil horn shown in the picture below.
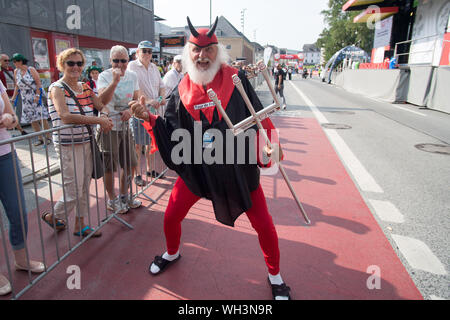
(191, 27)
(213, 28)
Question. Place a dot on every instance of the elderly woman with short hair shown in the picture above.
(73, 145)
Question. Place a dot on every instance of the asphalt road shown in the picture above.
(407, 189)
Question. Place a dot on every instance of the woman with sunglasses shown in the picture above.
(29, 84)
(73, 145)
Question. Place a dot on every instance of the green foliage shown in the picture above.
(340, 31)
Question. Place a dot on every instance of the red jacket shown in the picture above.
(8, 80)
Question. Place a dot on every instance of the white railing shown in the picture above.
(426, 56)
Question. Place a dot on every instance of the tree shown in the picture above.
(340, 31)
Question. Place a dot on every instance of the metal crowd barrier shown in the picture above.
(50, 241)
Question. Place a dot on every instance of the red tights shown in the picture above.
(182, 199)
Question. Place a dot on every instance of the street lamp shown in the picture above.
(243, 20)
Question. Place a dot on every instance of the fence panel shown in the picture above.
(54, 180)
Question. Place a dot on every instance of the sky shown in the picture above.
(284, 23)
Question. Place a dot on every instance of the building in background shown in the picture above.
(236, 43)
(173, 40)
(259, 51)
(41, 29)
(311, 54)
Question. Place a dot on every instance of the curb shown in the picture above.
(42, 173)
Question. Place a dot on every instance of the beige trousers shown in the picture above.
(76, 172)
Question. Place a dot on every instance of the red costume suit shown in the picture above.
(232, 188)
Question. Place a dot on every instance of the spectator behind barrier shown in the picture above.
(73, 144)
(117, 87)
(12, 196)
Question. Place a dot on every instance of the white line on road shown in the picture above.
(433, 297)
(386, 211)
(409, 110)
(419, 255)
(397, 106)
(365, 181)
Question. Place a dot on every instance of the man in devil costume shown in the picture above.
(232, 188)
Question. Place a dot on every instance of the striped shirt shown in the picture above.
(79, 133)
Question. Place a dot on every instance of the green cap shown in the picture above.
(18, 57)
(91, 68)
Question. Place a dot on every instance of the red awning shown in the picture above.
(383, 14)
(354, 3)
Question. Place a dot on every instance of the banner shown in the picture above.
(289, 56)
(267, 54)
(172, 41)
(40, 52)
(383, 32)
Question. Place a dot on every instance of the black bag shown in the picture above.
(97, 157)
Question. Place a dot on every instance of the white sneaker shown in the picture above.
(117, 206)
(5, 287)
(132, 203)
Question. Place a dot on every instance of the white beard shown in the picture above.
(200, 76)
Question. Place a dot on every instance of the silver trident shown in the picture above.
(256, 118)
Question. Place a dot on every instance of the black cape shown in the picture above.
(227, 185)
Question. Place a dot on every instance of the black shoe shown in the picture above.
(24, 133)
(162, 264)
(152, 174)
(280, 290)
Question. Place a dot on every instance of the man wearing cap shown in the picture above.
(174, 76)
(234, 187)
(152, 87)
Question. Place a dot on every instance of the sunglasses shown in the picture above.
(6, 60)
(73, 63)
(147, 50)
(119, 60)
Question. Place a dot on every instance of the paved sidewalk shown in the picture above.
(43, 158)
